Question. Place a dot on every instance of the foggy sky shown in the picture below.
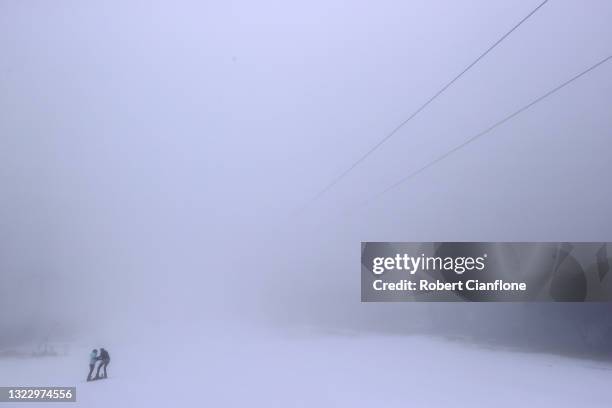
(154, 154)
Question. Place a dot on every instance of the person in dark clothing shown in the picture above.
(104, 358)
(93, 357)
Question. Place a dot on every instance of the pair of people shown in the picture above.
(103, 358)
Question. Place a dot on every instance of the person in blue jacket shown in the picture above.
(93, 357)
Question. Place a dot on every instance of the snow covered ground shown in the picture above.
(247, 368)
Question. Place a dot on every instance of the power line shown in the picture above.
(423, 106)
(490, 128)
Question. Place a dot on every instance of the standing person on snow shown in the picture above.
(93, 357)
(104, 360)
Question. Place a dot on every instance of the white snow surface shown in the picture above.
(309, 369)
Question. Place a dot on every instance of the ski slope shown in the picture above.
(317, 370)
